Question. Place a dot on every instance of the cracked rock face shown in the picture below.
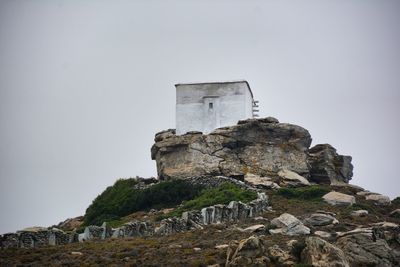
(328, 167)
(259, 146)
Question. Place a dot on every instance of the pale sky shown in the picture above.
(85, 85)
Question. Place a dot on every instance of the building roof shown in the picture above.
(225, 82)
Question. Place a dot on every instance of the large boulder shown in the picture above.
(289, 225)
(320, 219)
(320, 253)
(327, 166)
(291, 178)
(337, 198)
(378, 199)
(257, 146)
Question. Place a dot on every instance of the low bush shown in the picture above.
(122, 199)
(396, 201)
(305, 193)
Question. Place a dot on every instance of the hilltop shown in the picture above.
(253, 194)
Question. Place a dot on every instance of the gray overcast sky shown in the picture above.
(85, 85)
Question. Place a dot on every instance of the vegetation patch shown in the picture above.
(122, 199)
(223, 194)
(314, 193)
(396, 201)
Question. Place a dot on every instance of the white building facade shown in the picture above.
(204, 107)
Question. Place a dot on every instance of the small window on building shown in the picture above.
(210, 105)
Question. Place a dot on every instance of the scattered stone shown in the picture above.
(359, 213)
(336, 198)
(367, 231)
(293, 178)
(254, 228)
(320, 253)
(76, 253)
(197, 249)
(320, 219)
(289, 225)
(261, 219)
(174, 246)
(386, 224)
(223, 246)
(323, 234)
(276, 231)
(379, 199)
(328, 167)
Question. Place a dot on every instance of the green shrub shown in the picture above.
(220, 195)
(396, 201)
(122, 199)
(304, 193)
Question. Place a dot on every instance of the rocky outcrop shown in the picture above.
(365, 248)
(328, 167)
(259, 146)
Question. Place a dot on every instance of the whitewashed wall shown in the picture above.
(230, 102)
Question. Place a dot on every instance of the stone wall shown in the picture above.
(37, 237)
(233, 212)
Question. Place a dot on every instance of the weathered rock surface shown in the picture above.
(336, 198)
(378, 199)
(260, 182)
(359, 213)
(320, 219)
(366, 249)
(281, 257)
(249, 252)
(289, 225)
(328, 167)
(292, 179)
(320, 253)
(257, 146)
(322, 234)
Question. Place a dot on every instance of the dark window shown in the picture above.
(210, 105)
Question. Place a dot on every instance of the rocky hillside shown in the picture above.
(254, 194)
